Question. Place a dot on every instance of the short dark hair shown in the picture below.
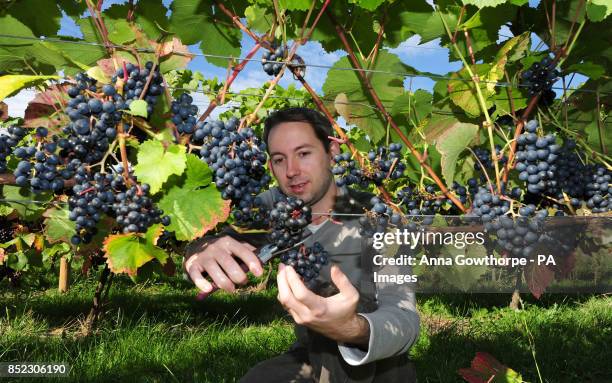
(321, 125)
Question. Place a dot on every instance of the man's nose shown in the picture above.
(293, 168)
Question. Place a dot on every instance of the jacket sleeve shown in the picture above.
(394, 325)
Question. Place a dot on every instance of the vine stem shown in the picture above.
(387, 116)
(213, 104)
(124, 160)
(599, 127)
(481, 101)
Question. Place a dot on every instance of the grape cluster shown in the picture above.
(134, 82)
(184, 114)
(272, 62)
(92, 120)
(348, 171)
(484, 157)
(384, 163)
(134, 209)
(536, 158)
(539, 79)
(91, 198)
(8, 142)
(307, 261)
(237, 160)
(378, 218)
(598, 189)
(519, 235)
(288, 219)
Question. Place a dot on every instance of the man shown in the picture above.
(345, 333)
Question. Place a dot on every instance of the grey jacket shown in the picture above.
(390, 309)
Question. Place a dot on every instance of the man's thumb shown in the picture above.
(341, 280)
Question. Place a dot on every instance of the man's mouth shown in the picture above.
(298, 188)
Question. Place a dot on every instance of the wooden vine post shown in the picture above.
(64, 275)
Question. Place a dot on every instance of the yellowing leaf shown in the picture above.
(11, 84)
(156, 163)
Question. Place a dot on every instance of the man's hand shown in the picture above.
(217, 259)
(335, 317)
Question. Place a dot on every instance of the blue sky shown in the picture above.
(429, 57)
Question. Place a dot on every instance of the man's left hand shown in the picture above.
(335, 317)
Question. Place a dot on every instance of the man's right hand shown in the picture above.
(217, 260)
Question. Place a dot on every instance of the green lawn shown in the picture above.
(158, 332)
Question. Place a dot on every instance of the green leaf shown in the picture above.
(27, 210)
(258, 18)
(42, 16)
(193, 203)
(484, 3)
(450, 143)
(126, 253)
(139, 108)
(156, 163)
(417, 104)
(5, 210)
(120, 31)
(589, 69)
(12, 84)
(195, 21)
(388, 87)
(598, 10)
(17, 261)
(370, 5)
(417, 17)
(462, 90)
(502, 101)
(293, 5)
(58, 227)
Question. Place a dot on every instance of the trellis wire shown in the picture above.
(329, 67)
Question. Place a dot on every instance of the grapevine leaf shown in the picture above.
(62, 249)
(17, 261)
(258, 18)
(598, 10)
(193, 203)
(451, 143)
(485, 368)
(388, 87)
(195, 21)
(125, 253)
(462, 89)
(295, 5)
(5, 210)
(538, 277)
(417, 104)
(417, 17)
(44, 21)
(156, 163)
(58, 227)
(138, 108)
(12, 84)
(370, 5)
(41, 111)
(589, 69)
(98, 74)
(174, 55)
(27, 210)
(484, 3)
(502, 101)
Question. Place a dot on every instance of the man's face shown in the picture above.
(299, 161)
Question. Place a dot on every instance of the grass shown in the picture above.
(158, 332)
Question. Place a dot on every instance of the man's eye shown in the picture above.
(277, 161)
(303, 154)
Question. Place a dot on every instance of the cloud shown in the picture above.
(18, 103)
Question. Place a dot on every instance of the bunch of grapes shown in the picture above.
(348, 172)
(484, 157)
(519, 235)
(307, 261)
(384, 163)
(134, 82)
(378, 218)
(8, 142)
(539, 78)
(92, 197)
(288, 219)
(598, 189)
(184, 114)
(237, 160)
(133, 208)
(272, 62)
(536, 158)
